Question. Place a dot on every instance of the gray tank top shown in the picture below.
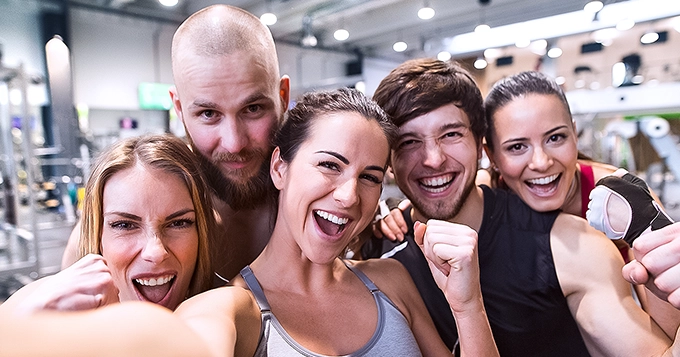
(392, 336)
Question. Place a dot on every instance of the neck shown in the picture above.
(470, 214)
(572, 202)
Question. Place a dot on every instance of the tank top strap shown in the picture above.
(255, 288)
(364, 279)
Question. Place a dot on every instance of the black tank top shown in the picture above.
(527, 310)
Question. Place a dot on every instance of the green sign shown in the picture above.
(154, 96)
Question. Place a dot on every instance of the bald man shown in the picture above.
(231, 99)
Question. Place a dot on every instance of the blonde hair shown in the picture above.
(162, 152)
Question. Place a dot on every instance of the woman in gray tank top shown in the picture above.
(302, 299)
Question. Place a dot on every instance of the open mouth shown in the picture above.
(154, 290)
(329, 223)
(436, 184)
(544, 185)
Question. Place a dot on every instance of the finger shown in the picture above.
(457, 257)
(674, 299)
(635, 273)
(389, 228)
(399, 222)
(654, 239)
(403, 205)
(419, 232)
(669, 280)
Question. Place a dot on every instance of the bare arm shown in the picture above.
(451, 251)
(589, 270)
(226, 319)
(127, 329)
(87, 284)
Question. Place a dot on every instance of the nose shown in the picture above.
(154, 250)
(434, 156)
(233, 135)
(540, 160)
(346, 193)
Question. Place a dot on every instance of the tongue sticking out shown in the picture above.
(154, 293)
(328, 227)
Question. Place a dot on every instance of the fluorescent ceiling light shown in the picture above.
(593, 7)
(443, 56)
(426, 13)
(341, 34)
(562, 25)
(268, 18)
(482, 28)
(399, 46)
(625, 24)
(168, 3)
(481, 63)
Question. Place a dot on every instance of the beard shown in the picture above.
(241, 192)
(443, 210)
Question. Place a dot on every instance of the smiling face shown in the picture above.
(435, 161)
(329, 191)
(230, 105)
(535, 149)
(149, 237)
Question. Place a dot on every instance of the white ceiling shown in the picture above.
(374, 25)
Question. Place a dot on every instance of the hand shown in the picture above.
(623, 207)
(87, 284)
(657, 263)
(451, 251)
(390, 223)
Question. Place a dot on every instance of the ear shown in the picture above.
(277, 169)
(176, 104)
(284, 91)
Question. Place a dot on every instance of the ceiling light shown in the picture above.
(268, 18)
(492, 53)
(560, 80)
(480, 63)
(399, 46)
(523, 43)
(625, 24)
(168, 2)
(554, 52)
(360, 86)
(482, 28)
(341, 34)
(426, 13)
(649, 37)
(443, 56)
(593, 6)
(309, 40)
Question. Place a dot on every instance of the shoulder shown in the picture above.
(599, 169)
(392, 278)
(229, 300)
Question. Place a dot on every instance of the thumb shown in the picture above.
(419, 232)
(635, 273)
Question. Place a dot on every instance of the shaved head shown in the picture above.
(220, 30)
(230, 97)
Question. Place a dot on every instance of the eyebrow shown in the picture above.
(212, 105)
(346, 162)
(544, 134)
(445, 127)
(138, 218)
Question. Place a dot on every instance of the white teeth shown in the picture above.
(331, 217)
(154, 282)
(543, 180)
(437, 181)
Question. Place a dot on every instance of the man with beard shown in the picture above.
(231, 99)
(551, 285)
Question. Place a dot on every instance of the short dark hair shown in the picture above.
(295, 128)
(419, 86)
(508, 89)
